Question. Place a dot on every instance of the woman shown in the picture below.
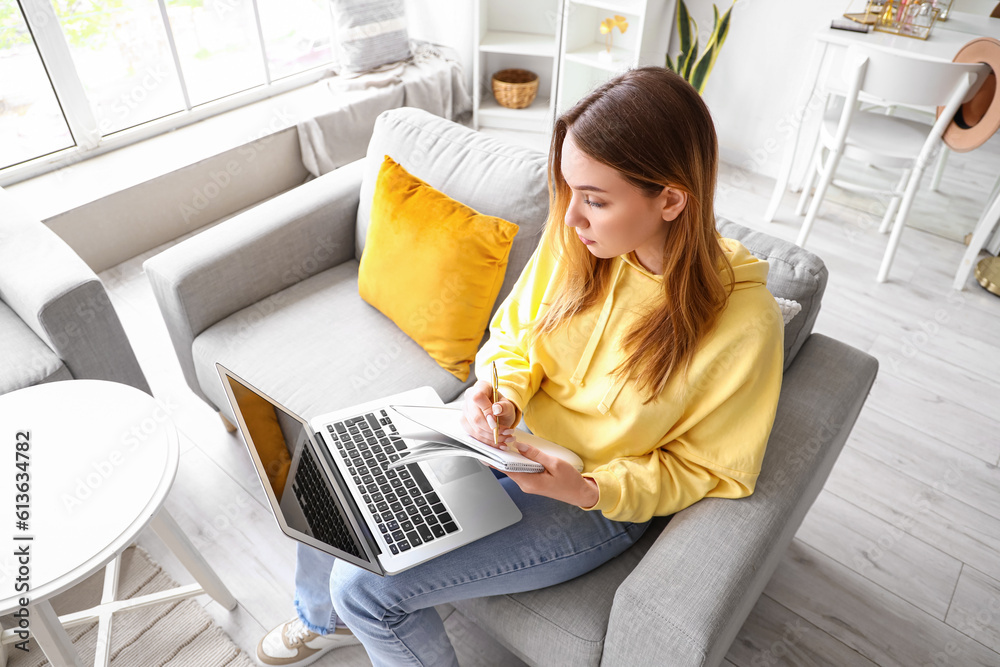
(634, 336)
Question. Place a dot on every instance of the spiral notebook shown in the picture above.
(446, 437)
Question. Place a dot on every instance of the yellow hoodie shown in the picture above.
(704, 436)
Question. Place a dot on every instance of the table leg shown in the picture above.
(989, 220)
(806, 93)
(172, 535)
(51, 637)
(102, 653)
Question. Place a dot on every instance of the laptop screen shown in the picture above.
(294, 476)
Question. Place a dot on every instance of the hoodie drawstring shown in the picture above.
(595, 336)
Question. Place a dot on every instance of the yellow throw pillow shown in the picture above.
(433, 266)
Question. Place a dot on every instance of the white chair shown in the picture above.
(887, 141)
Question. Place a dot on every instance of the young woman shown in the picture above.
(635, 336)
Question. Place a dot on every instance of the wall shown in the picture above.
(753, 88)
(447, 22)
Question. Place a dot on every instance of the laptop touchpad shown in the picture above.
(450, 468)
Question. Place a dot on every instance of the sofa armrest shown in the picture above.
(688, 597)
(254, 255)
(62, 300)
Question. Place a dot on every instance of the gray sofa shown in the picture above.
(273, 294)
(56, 320)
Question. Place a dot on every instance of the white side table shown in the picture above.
(100, 461)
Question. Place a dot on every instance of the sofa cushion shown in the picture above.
(563, 624)
(491, 176)
(433, 266)
(794, 274)
(24, 359)
(316, 347)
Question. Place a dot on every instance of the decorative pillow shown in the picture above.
(433, 266)
(370, 33)
(789, 308)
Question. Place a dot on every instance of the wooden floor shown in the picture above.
(898, 563)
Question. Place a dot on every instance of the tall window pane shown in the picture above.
(296, 34)
(121, 54)
(31, 122)
(218, 46)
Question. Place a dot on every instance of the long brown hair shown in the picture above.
(653, 127)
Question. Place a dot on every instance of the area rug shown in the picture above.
(176, 634)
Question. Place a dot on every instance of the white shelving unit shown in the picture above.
(560, 41)
(645, 42)
(516, 33)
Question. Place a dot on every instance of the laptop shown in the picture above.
(329, 484)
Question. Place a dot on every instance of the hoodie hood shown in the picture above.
(749, 271)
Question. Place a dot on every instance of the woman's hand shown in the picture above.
(480, 414)
(559, 480)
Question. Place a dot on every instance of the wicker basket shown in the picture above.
(515, 88)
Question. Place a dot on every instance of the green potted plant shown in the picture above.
(694, 68)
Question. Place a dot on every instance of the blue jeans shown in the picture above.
(394, 616)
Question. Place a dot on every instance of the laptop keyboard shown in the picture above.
(402, 501)
(316, 498)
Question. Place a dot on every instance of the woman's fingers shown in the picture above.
(480, 417)
(502, 412)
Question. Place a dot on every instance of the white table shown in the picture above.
(942, 45)
(101, 459)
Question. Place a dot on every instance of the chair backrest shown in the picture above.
(904, 79)
(910, 79)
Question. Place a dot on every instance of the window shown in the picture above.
(31, 120)
(83, 74)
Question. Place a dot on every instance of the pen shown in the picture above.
(496, 397)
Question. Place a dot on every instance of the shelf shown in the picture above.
(519, 43)
(537, 117)
(539, 109)
(634, 7)
(620, 58)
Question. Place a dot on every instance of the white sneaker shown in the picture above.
(292, 643)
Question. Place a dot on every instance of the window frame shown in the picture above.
(50, 41)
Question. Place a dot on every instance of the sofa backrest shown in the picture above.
(491, 176)
(794, 273)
